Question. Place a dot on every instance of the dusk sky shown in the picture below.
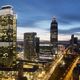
(36, 16)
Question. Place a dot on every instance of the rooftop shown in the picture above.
(7, 7)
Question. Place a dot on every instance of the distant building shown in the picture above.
(74, 40)
(45, 51)
(61, 48)
(37, 41)
(29, 45)
(7, 35)
(74, 44)
(45, 48)
(54, 34)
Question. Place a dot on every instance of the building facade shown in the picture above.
(54, 34)
(29, 45)
(7, 35)
(37, 41)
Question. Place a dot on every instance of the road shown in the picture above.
(53, 66)
(60, 71)
(68, 75)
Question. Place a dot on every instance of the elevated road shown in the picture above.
(69, 73)
(53, 67)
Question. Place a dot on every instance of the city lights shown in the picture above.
(30, 57)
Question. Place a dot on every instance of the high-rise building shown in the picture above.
(74, 44)
(29, 45)
(54, 34)
(72, 40)
(37, 46)
(7, 35)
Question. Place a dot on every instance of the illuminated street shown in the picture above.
(53, 66)
(69, 73)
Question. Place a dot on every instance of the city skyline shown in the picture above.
(36, 16)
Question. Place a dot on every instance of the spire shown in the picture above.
(54, 20)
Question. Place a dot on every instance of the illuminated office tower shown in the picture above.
(7, 35)
(30, 45)
(54, 34)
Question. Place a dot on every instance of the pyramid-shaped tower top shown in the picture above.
(54, 20)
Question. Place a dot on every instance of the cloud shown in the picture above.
(64, 37)
(43, 34)
(72, 17)
(64, 21)
(34, 12)
(43, 24)
(70, 31)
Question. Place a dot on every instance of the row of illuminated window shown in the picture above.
(6, 17)
(6, 31)
(6, 51)
(7, 38)
(7, 44)
(8, 27)
(5, 22)
(8, 34)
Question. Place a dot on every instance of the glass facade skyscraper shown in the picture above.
(54, 34)
(29, 45)
(7, 35)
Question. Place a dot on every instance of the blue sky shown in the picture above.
(36, 15)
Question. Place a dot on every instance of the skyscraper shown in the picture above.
(29, 45)
(54, 34)
(37, 45)
(7, 35)
(74, 40)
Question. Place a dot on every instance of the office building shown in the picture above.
(37, 41)
(74, 40)
(29, 45)
(45, 51)
(45, 48)
(54, 34)
(74, 44)
(7, 35)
